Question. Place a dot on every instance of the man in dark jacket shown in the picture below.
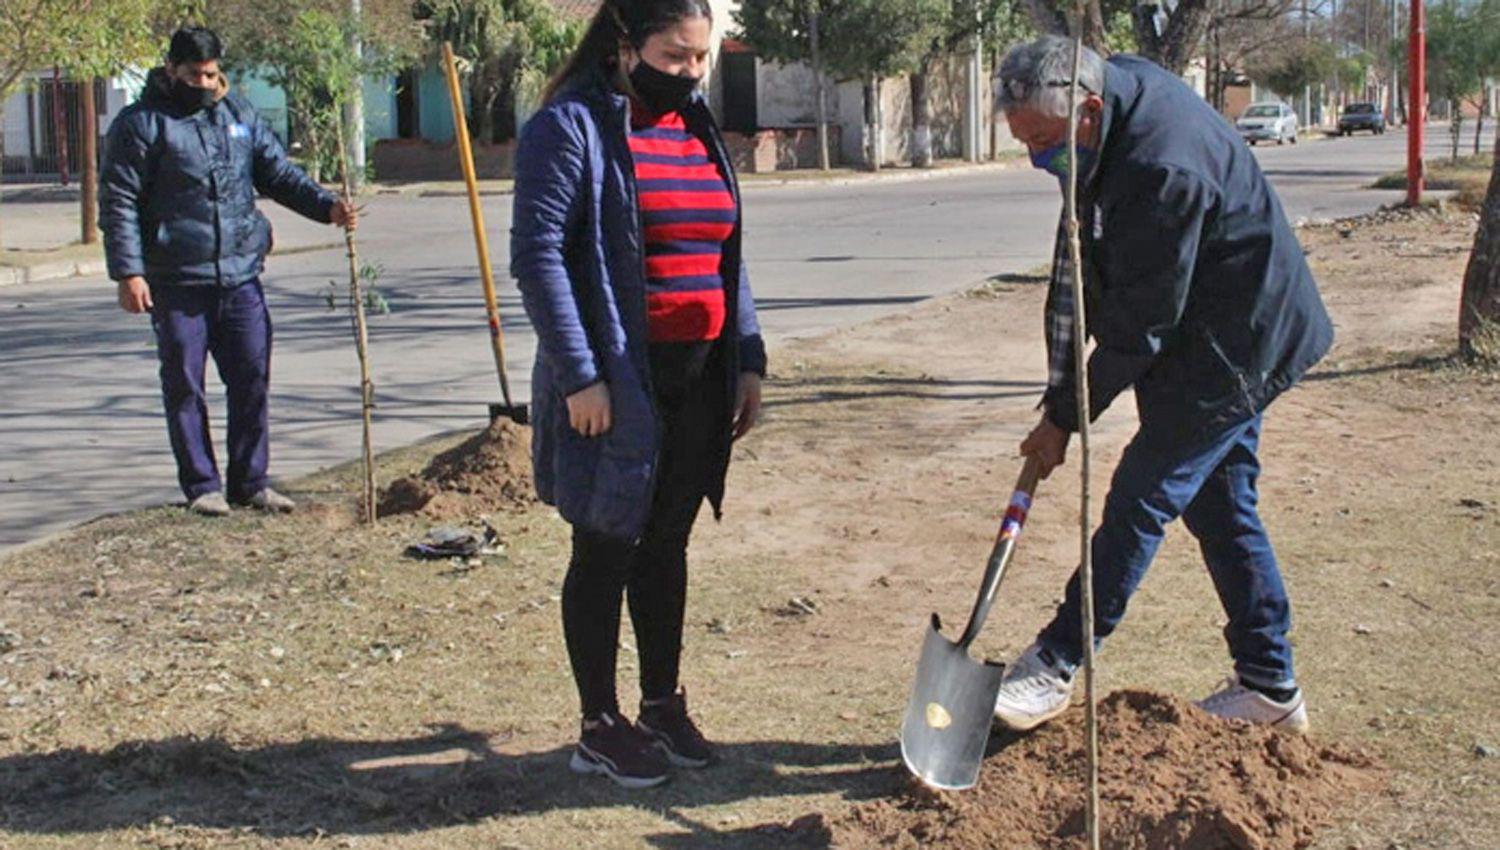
(1198, 297)
(185, 242)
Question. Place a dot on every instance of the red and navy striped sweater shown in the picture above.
(688, 213)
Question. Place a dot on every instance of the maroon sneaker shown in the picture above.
(610, 746)
(665, 722)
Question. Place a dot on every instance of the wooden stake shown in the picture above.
(1081, 379)
(361, 343)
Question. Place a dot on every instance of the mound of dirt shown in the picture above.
(490, 471)
(1171, 778)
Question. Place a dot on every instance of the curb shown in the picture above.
(54, 270)
(65, 269)
(906, 174)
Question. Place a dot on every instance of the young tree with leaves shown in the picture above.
(292, 42)
(789, 31)
(499, 43)
(872, 40)
(98, 40)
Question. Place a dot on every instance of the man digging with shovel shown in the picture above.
(1198, 297)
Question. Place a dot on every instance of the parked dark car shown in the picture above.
(1361, 116)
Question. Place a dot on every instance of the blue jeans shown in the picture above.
(1210, 483)
(192, 322)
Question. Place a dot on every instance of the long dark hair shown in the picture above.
(622, 21)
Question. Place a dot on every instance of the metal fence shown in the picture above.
(53, 130)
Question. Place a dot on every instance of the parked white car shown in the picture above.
(1268, 122)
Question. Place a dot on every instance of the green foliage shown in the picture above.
(302, 46)
(1463, 49)
(779, 30)
(858, 37)
(503, 46)
(1301, 63)
(87, 38)
(883, 38)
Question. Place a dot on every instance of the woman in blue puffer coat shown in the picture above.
(626, 247)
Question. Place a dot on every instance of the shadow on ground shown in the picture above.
(452, 776)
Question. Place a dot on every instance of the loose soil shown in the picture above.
(1174, 778)
(490, 471)
(288, 682)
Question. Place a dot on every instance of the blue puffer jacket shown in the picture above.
(177, 192)
(1199, 292)
(578, 255)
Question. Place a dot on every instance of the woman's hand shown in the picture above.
(588, 410)
(747, 404)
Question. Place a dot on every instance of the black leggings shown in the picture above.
(652, 575)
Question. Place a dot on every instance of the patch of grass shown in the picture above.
(1468, 177)
(997, 285)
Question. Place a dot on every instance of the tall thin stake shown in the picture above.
(1081, 379)
(361, 343)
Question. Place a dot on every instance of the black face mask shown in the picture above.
(661, 92)
(191, 98)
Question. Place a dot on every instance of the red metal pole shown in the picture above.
(1416, 111)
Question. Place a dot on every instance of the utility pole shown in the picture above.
(1393, 90)
(354, 110)
(974, 138)
(1416, 110)
(1307, 87)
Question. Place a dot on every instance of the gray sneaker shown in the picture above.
(209, 504)
(271, 501)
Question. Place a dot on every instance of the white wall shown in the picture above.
(17, 140)
(787, 95)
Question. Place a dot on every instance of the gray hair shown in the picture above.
(1036, 75)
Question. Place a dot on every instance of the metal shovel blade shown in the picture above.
(947, 721)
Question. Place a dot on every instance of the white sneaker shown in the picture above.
(211, 504)
(1237, 701)
(1033, 691)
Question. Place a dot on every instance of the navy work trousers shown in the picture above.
(233, 325)
(1210, 482)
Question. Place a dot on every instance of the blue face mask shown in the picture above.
(1054, 160)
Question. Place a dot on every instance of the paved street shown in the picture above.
(81, 429)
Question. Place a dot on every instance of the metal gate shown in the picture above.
(53, 122)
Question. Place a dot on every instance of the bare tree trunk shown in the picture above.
(872, 122)
(995, 115)
(361, 345)
(1479, 310)
(921, 117)
(2, 159)
(1484, 106)
(820, 83)
(1174, 46)
(90, 165)
(60, 124)
(1455, 126)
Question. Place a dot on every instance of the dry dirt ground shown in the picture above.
(172, 682)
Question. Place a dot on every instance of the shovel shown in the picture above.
(507, 409)
(947, 721)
